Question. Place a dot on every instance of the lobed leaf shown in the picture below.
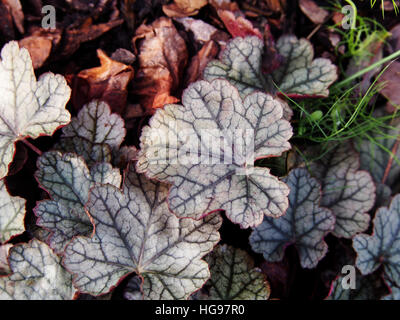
(299, 74)
(36, 275)
(382, 247)
(12, 214)
(94, 133)
(304, 224)
(29, 108)
(206, 150)
(347, 191)
(68, 181)
(135, 232)
(233, 276)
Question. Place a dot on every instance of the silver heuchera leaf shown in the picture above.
(240, 64)
(12, 214)
(4, 267)
(68, 181)
(382, 247)
(206, 150)
(94, 133)
(233, 276)
(368, 287)
(299, 75)
(383, 166)
(28, 108)
(347, 191)
(135, 232)
(305, 224)
(36, 275)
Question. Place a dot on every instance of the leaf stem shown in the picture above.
(32, 147)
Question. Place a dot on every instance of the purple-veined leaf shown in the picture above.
(380, 155)
(135, 232)
(298, 75)
(207, 147)
(28, 108)
(304, 224)
(234, 277)
(347, 191)
(240, 64)
(12, 214)
(382, 247)
(68, 181)
(4, 267)
(370, 287)
(37, 274)
(94, 133)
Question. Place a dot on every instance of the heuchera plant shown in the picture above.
(151, 215)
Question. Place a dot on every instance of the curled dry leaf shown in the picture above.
(37, 274)
(108, 83)
(40, 44)
(162, 58)
(199, 62)
(135, 232)
(347, 191)
(304, 224)
(74, 37)
(29, 108)
(234, 277)
(12, 214)
(68, 180)
(313, 12)
(221, 175)
(382, 247)
(237, 24)
(94, 134)
(16, 11)
(183, 8)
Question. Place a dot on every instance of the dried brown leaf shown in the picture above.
(108, 83)
(162, 58)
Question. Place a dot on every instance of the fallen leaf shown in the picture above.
(124, 56)
(75, 37)
(183, 8)
(16, 11)
(163, 57)
(237, 25)
(391, 78)
(199, 62)
(40, 44)
(108, 83)
(224, 5)
(313, 12)
(202, 31)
